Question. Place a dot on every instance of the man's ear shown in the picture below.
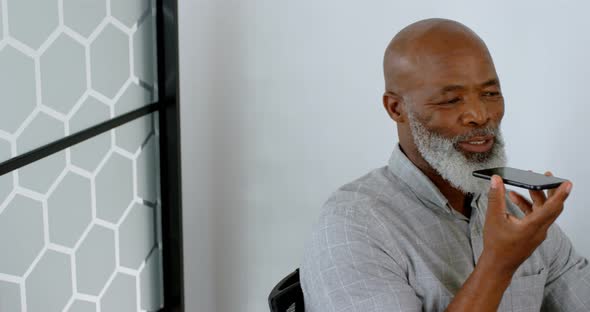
(393, 104)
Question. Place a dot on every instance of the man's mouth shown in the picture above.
(479, 144)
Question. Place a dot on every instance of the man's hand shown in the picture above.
(509, 241)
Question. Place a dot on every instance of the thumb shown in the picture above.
(496, 196)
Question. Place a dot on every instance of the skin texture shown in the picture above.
(442, 72)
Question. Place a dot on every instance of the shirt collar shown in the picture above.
(417, 181)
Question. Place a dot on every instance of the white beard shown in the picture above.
(454, 166)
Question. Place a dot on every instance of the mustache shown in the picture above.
(487, 131)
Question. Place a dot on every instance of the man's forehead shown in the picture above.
(455, 62)
(438, 69)
(445, 48)
(432, 48)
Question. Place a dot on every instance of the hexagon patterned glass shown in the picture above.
(57, 57)
(80, 227)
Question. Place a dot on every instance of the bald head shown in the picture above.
(422, 45)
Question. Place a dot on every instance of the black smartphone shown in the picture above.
(520, 178)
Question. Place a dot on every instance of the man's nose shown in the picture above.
(475, 112)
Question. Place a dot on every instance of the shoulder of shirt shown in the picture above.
(363, 195)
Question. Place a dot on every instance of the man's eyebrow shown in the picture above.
(450, 88)
(491, 82)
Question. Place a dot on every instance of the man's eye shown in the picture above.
(491, 93)
(452, 101)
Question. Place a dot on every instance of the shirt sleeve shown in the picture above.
(349, 266)
(568, 281)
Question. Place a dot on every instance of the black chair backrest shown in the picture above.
(287, 295)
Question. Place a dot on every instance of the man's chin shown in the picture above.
(476, 157)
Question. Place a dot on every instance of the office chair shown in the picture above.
(287, 295)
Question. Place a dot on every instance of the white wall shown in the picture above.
(280, 105)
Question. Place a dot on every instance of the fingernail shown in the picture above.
(494, 182)
(568, 188)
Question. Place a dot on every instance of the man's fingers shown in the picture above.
(560, 194)
(521, 202)
(496, 199)
(538, 197)
(553, 207)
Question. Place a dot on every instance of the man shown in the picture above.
(422, 234)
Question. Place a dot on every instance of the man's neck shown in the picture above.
(456, 198)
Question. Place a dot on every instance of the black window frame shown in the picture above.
(170, 161)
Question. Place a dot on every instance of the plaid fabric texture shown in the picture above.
(390, 241)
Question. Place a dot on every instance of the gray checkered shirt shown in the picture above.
(390, 241)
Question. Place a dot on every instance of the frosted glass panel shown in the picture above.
(57, 56)
(83, 238)
(79, 229)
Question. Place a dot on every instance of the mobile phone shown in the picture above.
(520, 178)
